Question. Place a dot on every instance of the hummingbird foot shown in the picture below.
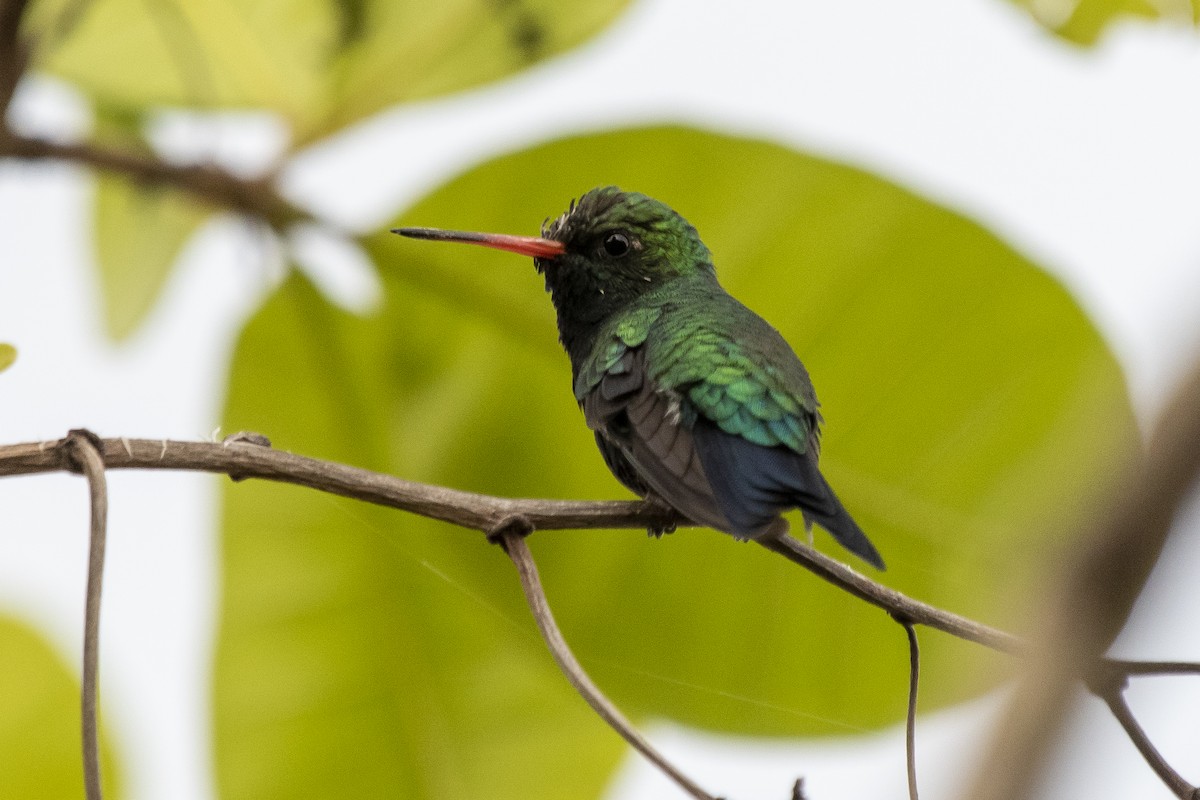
(666, 515)
(777, 529)
(658, 531)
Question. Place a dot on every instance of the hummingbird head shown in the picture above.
(617, 246)
(607, 250)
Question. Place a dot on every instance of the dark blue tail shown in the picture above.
(753, 485)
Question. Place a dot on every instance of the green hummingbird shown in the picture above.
(694, 399)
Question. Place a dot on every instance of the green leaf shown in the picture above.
(8, 354)
(1085, 21)
(139, 230)
(139, 233)
(972, 413)
(321, 64)
(39, 722)
(219, 53)
(395, 52)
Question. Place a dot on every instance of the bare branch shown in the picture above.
(240, 459)
(206, 182)
(1109, 681)
(511, 536)
(1131, 668)
(895, 603)
(1094, 598)
(83, 449)
(1113, 694)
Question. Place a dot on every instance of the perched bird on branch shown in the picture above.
(694, 399)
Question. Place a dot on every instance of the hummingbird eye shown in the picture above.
(616, 244)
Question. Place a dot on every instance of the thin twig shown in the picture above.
(1113, 695)
(206, 182)
(910, 725)
(241, 459)
(891, 601)
(511, 536)
(84, 455)
(1132, 668)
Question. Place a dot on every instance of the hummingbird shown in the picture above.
(695, 400)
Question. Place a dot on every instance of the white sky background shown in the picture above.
(1086, 160)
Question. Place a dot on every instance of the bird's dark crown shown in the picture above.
(662, 239)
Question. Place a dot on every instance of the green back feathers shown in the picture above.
(725, 362)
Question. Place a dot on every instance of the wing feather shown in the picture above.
(645, 426)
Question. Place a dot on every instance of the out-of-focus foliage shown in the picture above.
(1084, 21)
(972, 410)
(8, 354)
(322, 64)
(371, 654)
(138, 229)
(39, 722)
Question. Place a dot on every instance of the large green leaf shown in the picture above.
(39, 722)
(322, 64)
(1084, 21)
(972, 410)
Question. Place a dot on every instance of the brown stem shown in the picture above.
(1131, 668)
(511, 536)
(82, 449)
(240, 460)
(899, 605)
(1113, 695)
(206, 182)
(910, 721)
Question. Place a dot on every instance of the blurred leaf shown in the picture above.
(139, 233)
(972, 412)
(322, 64)
(39, 722)
(8, 354)
(1084, 21)
(139, 230)
(398, 52)
(219, 53)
